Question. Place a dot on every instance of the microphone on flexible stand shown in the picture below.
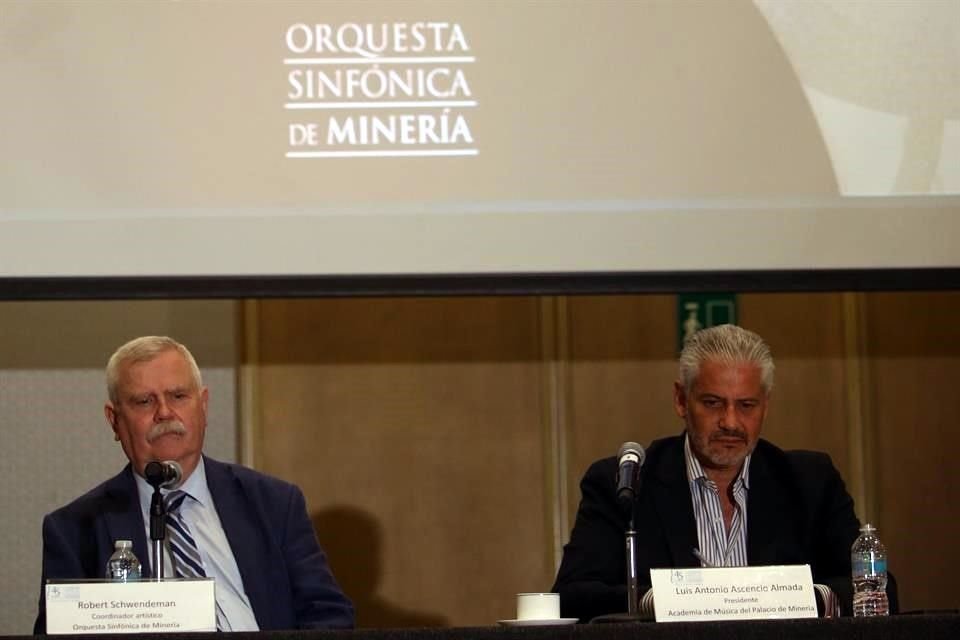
(630, 458)
(166, 475)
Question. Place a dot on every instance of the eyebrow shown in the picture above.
(713, 396)
(140, 394)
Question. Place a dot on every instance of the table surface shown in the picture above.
(938, 626)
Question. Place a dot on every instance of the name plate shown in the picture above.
(131, 607)
(733, 593)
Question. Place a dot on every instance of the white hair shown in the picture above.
(144, 349)
(725, 343)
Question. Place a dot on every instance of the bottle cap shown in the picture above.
(123, 544)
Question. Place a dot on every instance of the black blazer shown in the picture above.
(798, 512)
(284, 570)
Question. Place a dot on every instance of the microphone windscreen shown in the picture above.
(632, 448)
(167, 474)
(154, 473)
(175, 474)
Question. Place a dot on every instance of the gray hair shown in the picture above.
(144, 349)
(725, 343)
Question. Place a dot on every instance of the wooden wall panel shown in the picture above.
(808, 407)
(622, 367)
(914, 344)
(414, 427)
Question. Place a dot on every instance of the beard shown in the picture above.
(713, 447)
(164, 428)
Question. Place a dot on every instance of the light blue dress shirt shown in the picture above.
(234, 612)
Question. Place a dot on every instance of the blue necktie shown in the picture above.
(184, 555)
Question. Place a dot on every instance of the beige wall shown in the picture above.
(914, 344)
(440, 441)
(415, 427)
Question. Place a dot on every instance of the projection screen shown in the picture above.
(179, 139)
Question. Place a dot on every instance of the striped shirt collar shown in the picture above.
(718, 546)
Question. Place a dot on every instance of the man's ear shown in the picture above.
(111, 414)
(766, 406)
(680, 399)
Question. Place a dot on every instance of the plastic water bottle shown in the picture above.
(868, 559)
(123, 564)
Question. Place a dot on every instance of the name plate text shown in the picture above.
(131, 607)
(733, 593)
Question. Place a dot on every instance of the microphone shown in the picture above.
(630, 459)
(166, 474)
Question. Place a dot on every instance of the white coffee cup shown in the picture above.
(538, 606)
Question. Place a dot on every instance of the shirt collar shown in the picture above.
(195, 486)
(695, 469)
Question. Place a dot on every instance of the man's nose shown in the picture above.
(728, 417)
(164, 412)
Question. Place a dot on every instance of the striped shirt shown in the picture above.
(718, 546)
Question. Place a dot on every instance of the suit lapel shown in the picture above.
(766, 511)
(233, 509)
(124, 518)
(671, 495)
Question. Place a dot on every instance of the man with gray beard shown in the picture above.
(716, 495)
(248, 531)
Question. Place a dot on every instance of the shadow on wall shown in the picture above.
(352, 541)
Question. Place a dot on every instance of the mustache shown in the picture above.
(163, 428)
(727, 433)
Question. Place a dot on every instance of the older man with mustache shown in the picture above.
(716, 495)
(251, 532)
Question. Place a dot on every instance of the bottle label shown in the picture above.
(868, 564)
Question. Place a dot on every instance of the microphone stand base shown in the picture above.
(617, 618)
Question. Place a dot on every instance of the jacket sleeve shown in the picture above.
(318, 601)
(64, 550)
(835, 528)
(592, 576)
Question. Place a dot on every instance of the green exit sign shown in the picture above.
(697, 311)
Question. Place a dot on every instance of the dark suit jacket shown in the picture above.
(798, 512)
(284, 571)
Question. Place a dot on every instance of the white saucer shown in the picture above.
(537, 623)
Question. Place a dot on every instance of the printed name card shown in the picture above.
(131, 607)
(733, 593)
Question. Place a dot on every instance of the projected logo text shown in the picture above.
(389, 90)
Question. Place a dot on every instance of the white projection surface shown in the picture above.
(184, 138)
